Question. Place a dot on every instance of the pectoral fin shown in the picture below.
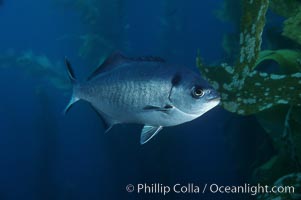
(166, 108)
(148, 132)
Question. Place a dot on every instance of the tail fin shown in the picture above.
(70, 104)
(73, 80)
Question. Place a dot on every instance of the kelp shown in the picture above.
(230, 11)
(49, 72)
(285, 8)
(289, 61)
(291, 10)
(273, 95)
(292, 27)
(291, 185)
(105, 27)
(245, 90)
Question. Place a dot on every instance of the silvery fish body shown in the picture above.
(145, 91)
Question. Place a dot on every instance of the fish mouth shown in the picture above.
(213, 96)
(214, 99)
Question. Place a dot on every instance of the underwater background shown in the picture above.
(253, 137)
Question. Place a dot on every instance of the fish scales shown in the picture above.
(145, 91)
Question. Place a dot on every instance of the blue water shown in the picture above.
(46, 155)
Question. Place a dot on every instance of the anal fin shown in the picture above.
(148, 132)
(106, 121)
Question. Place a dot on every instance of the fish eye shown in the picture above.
(197, 92)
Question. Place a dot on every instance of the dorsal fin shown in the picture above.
(113, 60)
(117, 58)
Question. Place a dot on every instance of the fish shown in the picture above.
(143, 90)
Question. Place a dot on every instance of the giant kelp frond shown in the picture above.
(40, 67)
(292, 27)
(245, 90)
(251, 88)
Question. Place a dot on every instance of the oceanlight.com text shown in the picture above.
(193, 188)
(251, 189)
